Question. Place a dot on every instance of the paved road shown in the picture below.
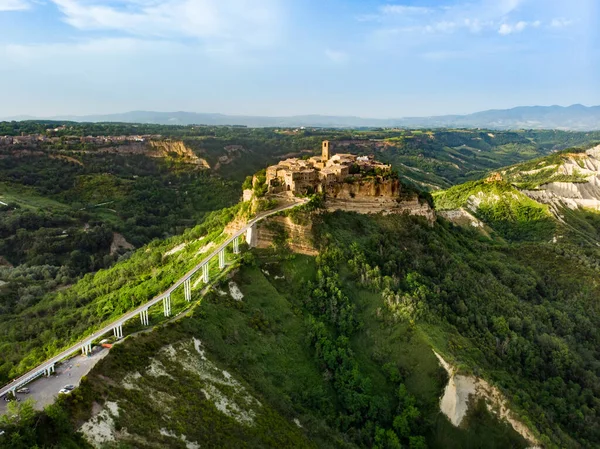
(44, 390)
(135, 313)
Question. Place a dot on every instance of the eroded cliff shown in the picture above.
(164, 148)
(375, 196)
(283, 231)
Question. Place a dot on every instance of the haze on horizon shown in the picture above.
(366, 58)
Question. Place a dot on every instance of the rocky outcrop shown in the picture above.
(163, 148)
(282, 230)
(119, 244)
(375, 196)
(460, 391)
(570, 194)
(232, 152)
(462, 217)
(574, 194)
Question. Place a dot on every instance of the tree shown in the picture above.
(19, 414)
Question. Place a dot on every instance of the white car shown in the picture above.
(64, 391)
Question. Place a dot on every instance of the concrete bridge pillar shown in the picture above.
(187, 287)
(144, 317)
(205, 273)
(86, 348)
(49, 370)
(118, 330)
(167, 305)
(251, 236)
(222, 259)
(236, 245)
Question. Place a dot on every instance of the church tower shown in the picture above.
(326, 153)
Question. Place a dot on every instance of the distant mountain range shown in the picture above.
(576, 117)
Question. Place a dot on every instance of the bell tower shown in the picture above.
(325, 153)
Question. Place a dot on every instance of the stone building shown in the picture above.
(300, 176)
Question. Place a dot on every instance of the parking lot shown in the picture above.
(44, 390)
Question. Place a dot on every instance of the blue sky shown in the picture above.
(284, 57)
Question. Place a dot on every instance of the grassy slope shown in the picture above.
(261, 341)
(64, 317)
(508, 211)
(27, 197)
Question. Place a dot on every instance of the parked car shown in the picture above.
(69, 387)
(64, 391)
(24, 390)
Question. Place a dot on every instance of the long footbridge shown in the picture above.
(116, 327)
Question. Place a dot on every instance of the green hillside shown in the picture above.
(343, 344)
(504, 208)
(329, 351)
(517, 203)
(34, 332)
(69, 208)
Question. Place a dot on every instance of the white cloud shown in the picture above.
(254, 22)
(560, 23)
(506, 28)
(475, 16)
(404, 10)
(339, 57)
(14, 5)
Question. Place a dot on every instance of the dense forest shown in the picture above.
(529, 312)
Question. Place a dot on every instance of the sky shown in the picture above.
(367, 58)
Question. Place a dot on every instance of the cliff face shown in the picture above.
(163, 148)
(364, 189)
(373, 197)
(298, 237)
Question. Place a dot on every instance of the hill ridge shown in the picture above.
(573, 117)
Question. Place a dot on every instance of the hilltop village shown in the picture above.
(316, 174)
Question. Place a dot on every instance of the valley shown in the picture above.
(476, 248)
